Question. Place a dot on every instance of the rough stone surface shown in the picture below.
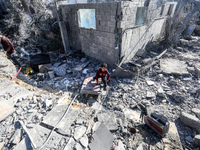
(173, 66)
(190, 120)
(79, 132)
(70, 144)
(84, 141)
(100, 143)
(196, 111)
(40, 134)
(197, 140)
(109, 120)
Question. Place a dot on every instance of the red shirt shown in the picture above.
(7, 45)
(101, 74)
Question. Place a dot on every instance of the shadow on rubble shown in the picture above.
(149, 136)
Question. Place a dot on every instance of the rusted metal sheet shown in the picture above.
(6, 109)
(157, 124)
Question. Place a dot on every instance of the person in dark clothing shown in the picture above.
(9, 48)
(103, 74)
(7, 45)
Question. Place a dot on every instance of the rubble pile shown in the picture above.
(164, 89)
(157, 107)
(32, 24)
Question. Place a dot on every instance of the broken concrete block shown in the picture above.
(78, 147)
(197, 112)
(52, 118)
(197, 140)
(70, 144)
(84, 141)
(120, 145)
(40, 135)
(173, 82)
(6, 109)
(44, 67)
(40, 76)
(48, 103)
(95, 127)
(150, 82)
(190, 120)
(142, 146)
(85, 71)
(16, 137)
(51, 74)
(151, 94)
(173, 66)
(109, 119)
(79, 132)
(173, 135)
(61, 70)
(122, 73)
(96, 105)
(157, 123)
(103, 139)
(81, 66)
(197, 68)
(161, 92)
(178, 98)
(132, 114)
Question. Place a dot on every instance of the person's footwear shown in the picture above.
(104, 88)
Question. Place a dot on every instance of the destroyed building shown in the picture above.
(115, 31)
(50, 100)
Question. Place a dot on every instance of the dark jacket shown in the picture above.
(7, 45)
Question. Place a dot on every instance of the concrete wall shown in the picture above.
(98, 43)
(135, 38)
(116, 35)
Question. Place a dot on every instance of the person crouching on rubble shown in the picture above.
(8, 48)
(103, 74)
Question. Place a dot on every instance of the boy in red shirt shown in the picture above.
(103, 74)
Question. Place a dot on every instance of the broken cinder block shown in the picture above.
(157, 123)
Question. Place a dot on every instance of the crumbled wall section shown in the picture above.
(98, 43)
(135, 38)
(69, 16)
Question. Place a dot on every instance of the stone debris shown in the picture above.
(79, 132)
(6, 109)
(196, 112)
(40, 134)
(197, 140)
(84, 141)
(112, 119)
(100, 143)
(190, 120)
(70, 144)
(173, 66)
